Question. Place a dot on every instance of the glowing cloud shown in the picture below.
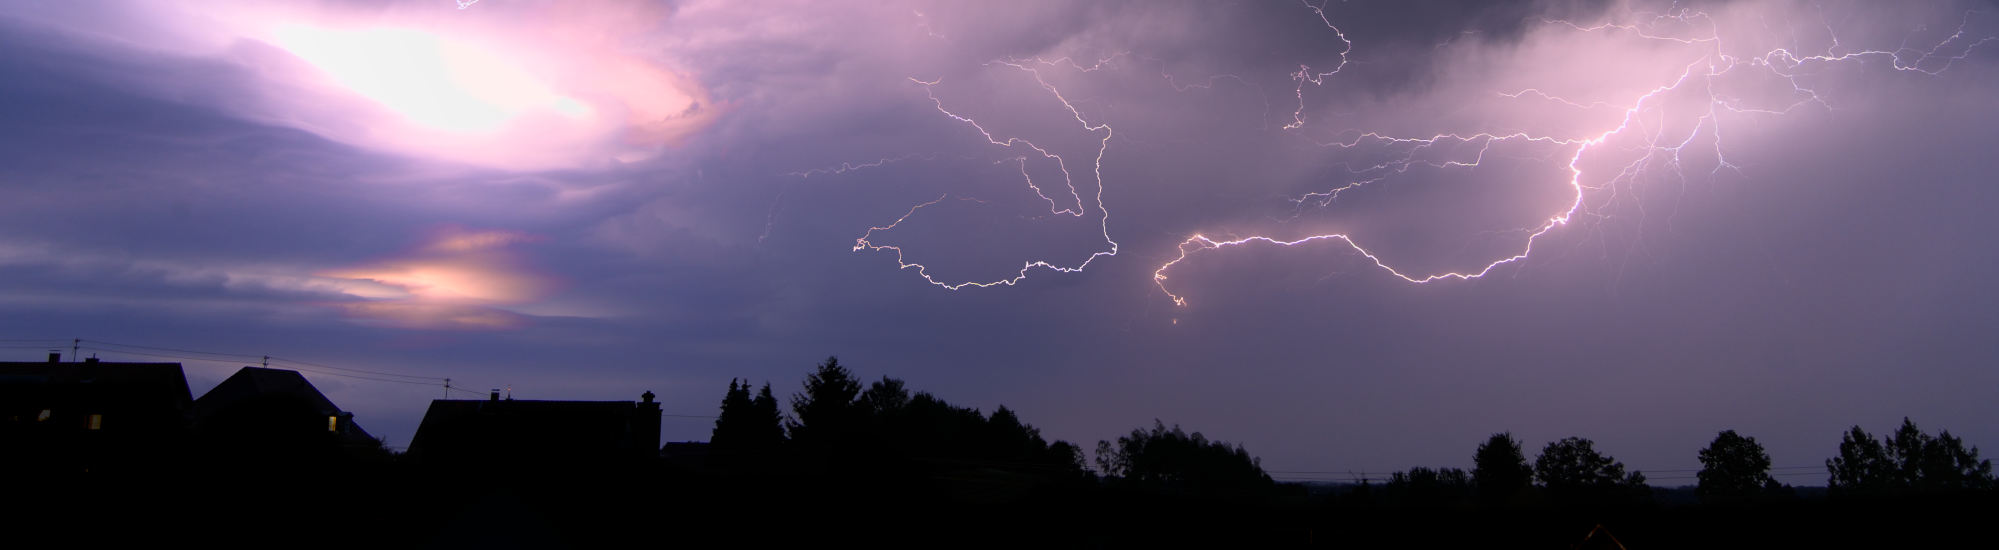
(458, 279)
(436, 82)
(527, 92)
(533, 86)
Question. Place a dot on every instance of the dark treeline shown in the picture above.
(886, 434)
(883, 442)
(840, 459)
(1906, 489)
(917, 452)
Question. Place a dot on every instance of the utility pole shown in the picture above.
(267, 361)
(447, 388)
(73, 345)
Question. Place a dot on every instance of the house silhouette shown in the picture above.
(91, 414)
(96, 415)
(266, 411)
(495, 431)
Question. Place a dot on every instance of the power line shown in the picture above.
(100, 345)
(174, 350)
(162, 356)
(189, 358)
(298, 362)
(263, 358)
(1349, 472)
(1819, 467)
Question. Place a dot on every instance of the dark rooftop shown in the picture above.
(253, 383)
(507, 430)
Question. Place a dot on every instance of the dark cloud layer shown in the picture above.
(1830, 273)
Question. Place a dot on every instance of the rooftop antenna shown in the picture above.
(267, 361)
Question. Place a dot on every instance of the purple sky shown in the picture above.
(1640, 223)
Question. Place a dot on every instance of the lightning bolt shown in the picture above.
(923, 24)
(846, 167)
(1698, 74)
(1635, 132)
(1536, 92)
(1031, 67)
(1306, 75)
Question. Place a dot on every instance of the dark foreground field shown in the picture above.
(598, 506)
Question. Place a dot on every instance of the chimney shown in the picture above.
(90, 359)
(496, 395)
(55, 357)
(647, 395)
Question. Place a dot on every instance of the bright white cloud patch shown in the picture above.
(535, 86)
(442, 84)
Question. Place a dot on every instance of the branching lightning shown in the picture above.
(1068, 184)
(1643, 129)
(846, 167)
(1305, 73)
(1698, 75)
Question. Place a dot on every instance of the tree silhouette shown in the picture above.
(748, 431)
(1947, 465)
(1429, 487)
(1572, 469)
(746, 424)
(1176, 461)
(734, 419)
(766, 428)
(1909, 460)
(932, 430)
(1007, 436)
(1906, 452)
(1862, 466)
(1499, 470)
(1065, 455)
(1932, 464)
(828, 410)
(885, 397)
(893, 437)
(1734, 466)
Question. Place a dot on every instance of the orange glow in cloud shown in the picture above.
(458, 280)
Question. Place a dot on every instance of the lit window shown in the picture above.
(44, 417)
(333, 423)
(97, 422)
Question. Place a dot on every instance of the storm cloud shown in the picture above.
(1764, 216)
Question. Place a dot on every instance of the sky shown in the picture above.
(1355, 236)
